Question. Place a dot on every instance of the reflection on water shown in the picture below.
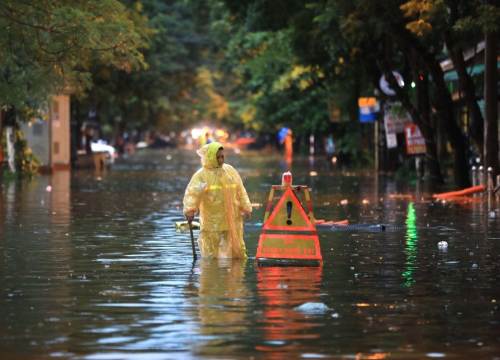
(91, 267)
(411, 245)
(282, 290)
(221, 301)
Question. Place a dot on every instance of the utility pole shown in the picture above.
(376, 141)
(490, 150)
(1, 135)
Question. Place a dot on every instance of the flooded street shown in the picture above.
(92, 267)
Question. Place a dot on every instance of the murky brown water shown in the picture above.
(94, 269)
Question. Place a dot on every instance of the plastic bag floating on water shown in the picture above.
(313, 308)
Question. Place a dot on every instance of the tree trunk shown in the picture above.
(424, 109)
(466, 85)
(468, 90)
(423, 104)
(418, 117)
(444, 105)
(2, 113)
(424, 126)
(491, 104)
(10, 133)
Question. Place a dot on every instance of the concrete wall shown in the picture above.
(50, 139)
(37, 135)
(60, 123)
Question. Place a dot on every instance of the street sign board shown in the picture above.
(289, 246)
(415, 142)
(368, 109)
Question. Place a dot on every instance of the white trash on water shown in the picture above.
(442, 245)
(313, 308)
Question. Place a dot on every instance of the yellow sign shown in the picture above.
(289, 215)
(289, 246)
(367, 102)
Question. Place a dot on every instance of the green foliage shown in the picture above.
(282, 91)
(479, 18)
(49, 47)
(292, 74)
(255, 64)
(354, 147)
(406, 172)
(166, 94)
(27, 164)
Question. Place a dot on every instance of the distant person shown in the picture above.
(329, 147)
(208, 139)
(217, 192)
(120, 144)
(285, 137)
(88, 138)
(204, 139)
(289, 147)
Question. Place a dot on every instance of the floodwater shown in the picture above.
(92, 267)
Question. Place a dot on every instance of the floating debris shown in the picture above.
(313, 308)
(442, 245)
(436, 355)
(184, 226)
(367, 227)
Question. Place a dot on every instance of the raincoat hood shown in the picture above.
(208, 154)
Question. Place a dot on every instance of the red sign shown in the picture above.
(289, 233)
(415, 142)
(289, 246)
(289, 215)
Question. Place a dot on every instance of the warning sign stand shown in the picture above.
(289, 234)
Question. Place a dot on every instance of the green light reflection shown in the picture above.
(411, 245)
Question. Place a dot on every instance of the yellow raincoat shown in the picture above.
(219, 195)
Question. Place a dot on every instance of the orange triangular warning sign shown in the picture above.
(289, 214)
(289, 246)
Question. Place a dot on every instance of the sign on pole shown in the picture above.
(386, 88)
(415, 142)
(368, 109)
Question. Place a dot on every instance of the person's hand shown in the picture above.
(189, 216)
(246, 214)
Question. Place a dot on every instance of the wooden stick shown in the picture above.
(192, 240)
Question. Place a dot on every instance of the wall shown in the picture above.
(60, 121)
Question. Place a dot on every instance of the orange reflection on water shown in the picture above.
(60, 198)
(282, 289)
(402, 196)
(374, 356)
(363, 305)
